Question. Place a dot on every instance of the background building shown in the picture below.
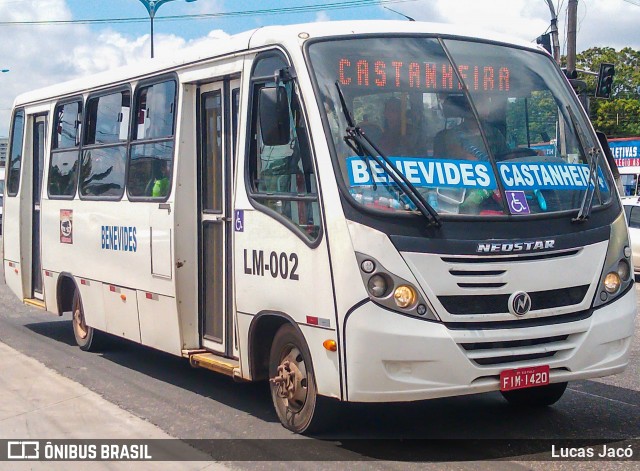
(4, 144)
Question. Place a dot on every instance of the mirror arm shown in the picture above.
(285, 75)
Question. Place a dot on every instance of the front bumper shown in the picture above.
(391, 357)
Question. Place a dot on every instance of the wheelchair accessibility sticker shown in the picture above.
(238, 220)
(517, 202)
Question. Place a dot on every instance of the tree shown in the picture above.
(619, 116)
(626, 61)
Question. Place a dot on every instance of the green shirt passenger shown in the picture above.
(160, 187)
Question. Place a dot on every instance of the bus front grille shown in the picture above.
(462, 305)
(512, 351)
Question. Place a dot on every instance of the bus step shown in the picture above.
(215, 363)
(34, 302)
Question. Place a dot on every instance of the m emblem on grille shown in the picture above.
(519, 303)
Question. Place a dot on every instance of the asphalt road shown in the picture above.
(197, 404)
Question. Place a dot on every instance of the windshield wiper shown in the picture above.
(363, 145)
(594, 156)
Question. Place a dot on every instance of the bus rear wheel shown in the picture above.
(539, 396)
(292, 383)
(86, 337)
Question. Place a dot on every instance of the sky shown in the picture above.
(42, 55)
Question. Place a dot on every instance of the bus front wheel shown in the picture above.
(539, 396)
(86, 337)
(292, 383)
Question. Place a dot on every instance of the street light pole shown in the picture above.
(554, 31)
(152, 7)
(560, 130)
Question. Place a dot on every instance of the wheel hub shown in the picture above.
(291, 380)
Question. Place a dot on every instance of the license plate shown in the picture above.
(524, 377)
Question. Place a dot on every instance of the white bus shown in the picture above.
(351, 210)
(2, 172)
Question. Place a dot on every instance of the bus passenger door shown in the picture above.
(38, 134)
(217, 133)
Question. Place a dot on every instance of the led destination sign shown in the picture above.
(390, 74)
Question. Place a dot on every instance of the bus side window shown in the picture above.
(104, 153)
(63, 167)
(15, 155)
(151, 155)
(283, 177)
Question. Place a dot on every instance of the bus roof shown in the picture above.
(265, 36)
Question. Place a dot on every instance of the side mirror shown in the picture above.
(610, 160)
(274, 116)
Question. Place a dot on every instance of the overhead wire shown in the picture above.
(202, 16)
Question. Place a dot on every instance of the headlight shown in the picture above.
(616, 276)
(377, 286)
(611, 282)
(391, 291)
(404, 296)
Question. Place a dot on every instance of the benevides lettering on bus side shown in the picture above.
(119, 238)
(509, 247)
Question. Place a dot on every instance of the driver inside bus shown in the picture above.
(464, 140)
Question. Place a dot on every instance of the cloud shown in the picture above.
(209, 6)
(36, 55)
(600, 22)
(39, 56)
(608, 23)
(322, 16)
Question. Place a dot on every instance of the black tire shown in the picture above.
(307, 412)
(539, 396)
(87, 338)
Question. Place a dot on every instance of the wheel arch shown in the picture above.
(64, 292)
(262, 331)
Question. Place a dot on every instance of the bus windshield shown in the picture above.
(512, 143)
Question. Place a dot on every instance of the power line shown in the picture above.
(203, 16)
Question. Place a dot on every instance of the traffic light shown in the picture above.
(605, 80)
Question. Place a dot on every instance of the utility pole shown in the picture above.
(572, 26)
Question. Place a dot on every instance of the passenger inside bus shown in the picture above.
(371, 129)
(391, 140)
(158, 186)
